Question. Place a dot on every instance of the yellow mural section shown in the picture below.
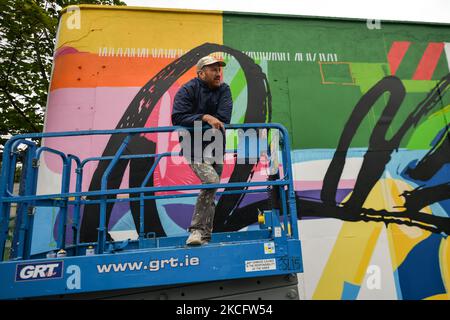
(352, 251)
(444, 259)
(84, 27)
(356, 242)
(402, 239)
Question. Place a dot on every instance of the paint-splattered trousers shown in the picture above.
(205, 206)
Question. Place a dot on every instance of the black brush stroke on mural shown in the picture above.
(231, 218)
(258, 109)
(377, 156)
(317, 209)
(380, 150)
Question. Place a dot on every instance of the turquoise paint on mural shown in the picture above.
(350, 291)
(125, 223)
(44, 220)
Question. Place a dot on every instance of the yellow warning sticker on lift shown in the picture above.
(269, 248)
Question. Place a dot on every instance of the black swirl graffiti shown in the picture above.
(375, 160)
(229, 216)
(258, 109)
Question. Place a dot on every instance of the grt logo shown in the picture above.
(39, 271)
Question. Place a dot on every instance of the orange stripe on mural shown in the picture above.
(429, 61)
(87, 70)
(396, 54)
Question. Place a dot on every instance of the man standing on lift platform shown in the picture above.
(206, 100)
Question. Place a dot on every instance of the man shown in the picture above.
(206, 100)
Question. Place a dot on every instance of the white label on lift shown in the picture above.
(269, 247)
(277, 232)
(260, 265)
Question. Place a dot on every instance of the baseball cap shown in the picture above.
(208, 60)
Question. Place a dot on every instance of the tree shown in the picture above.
(27, 40)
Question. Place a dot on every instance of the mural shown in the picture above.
(367, 111)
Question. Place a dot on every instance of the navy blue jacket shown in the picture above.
(195, 99)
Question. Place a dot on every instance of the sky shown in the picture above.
(399, 10)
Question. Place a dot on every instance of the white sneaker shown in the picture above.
(195, 238)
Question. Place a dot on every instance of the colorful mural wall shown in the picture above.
(367, 110)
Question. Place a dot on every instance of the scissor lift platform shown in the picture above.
(137, 268)
(148, 262)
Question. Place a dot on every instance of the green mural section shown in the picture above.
(319, 69)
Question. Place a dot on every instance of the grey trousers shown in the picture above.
(205, 206)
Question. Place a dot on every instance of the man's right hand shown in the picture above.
(213, 121)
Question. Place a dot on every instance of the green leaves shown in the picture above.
(27, 40)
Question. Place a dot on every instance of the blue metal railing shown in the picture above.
(28, 199)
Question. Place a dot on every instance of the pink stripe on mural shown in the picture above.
(429, 61)
(396, 54)
(76, 109)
